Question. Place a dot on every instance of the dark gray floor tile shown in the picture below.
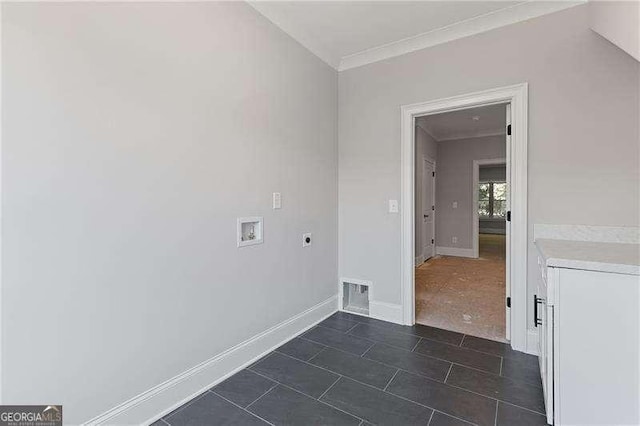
(338, 340)
(283, 406)
(440, 419)
(523, 369)
(508, 415)
(244, 387)
(340, 324)
(458, 355)
(433, 368)
(389, 326)
(358, 368)
(299, 375)
(301, 348)
(491, 385)
(212, 409)
(158, 423)
(439, 334)
(377, 334)
(488, 346)
(375, 406)
(347, 316)
(456, 402)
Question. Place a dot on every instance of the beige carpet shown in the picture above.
(465, 295)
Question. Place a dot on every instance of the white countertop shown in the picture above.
(621, 258)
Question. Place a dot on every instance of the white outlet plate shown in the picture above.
(393, 206)
(277, 200)
(306, 236)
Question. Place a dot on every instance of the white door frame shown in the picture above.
(427, 159)
(516, 96)
(476, 216)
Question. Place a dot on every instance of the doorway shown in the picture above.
(514, 303)
(462, 288)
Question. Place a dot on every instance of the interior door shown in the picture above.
(428, 209)
(508, 227)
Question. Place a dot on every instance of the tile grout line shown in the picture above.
(430, 417)
(462, 341)
(368, 349)
(391, 379)
(406, 371)
(386, 391)
(329, 388)
(495, 422)
(412, 373)
(312, 397)
(416, 345)
(242, 408)
(309, 360)
(256, 400)
(448, 372)
(501, 362)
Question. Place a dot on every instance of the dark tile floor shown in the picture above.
(352, 370)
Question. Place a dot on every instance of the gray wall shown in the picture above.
(492, 173)
(583, 116)
(425, 146)
(454, 182)
(133, 136)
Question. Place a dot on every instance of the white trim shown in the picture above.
(391, 312)
(154, 403)
(474, 187)
(532, 342)
(476, 25)
(426, 158)
(454, 251)
(517, 97)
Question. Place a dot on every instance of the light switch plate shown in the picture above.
(393, 206)
(455, 204)
(277, 200)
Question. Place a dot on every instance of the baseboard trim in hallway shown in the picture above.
(154, 403)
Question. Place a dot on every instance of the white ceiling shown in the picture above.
(346, 34)
(491, 121)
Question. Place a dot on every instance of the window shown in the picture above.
(492, 200)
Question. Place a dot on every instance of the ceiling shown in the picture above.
(491, 121)
(346, 34)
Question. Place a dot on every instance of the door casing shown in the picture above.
(517, 97)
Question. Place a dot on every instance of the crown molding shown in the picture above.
(479, 24)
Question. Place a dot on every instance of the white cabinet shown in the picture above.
(588, 325)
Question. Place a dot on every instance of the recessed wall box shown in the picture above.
(250, 231)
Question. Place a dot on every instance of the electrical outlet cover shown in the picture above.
(306, 239)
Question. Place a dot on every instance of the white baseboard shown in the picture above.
(532, 342)
(154, 403)
(454, 251)
(385, 311)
